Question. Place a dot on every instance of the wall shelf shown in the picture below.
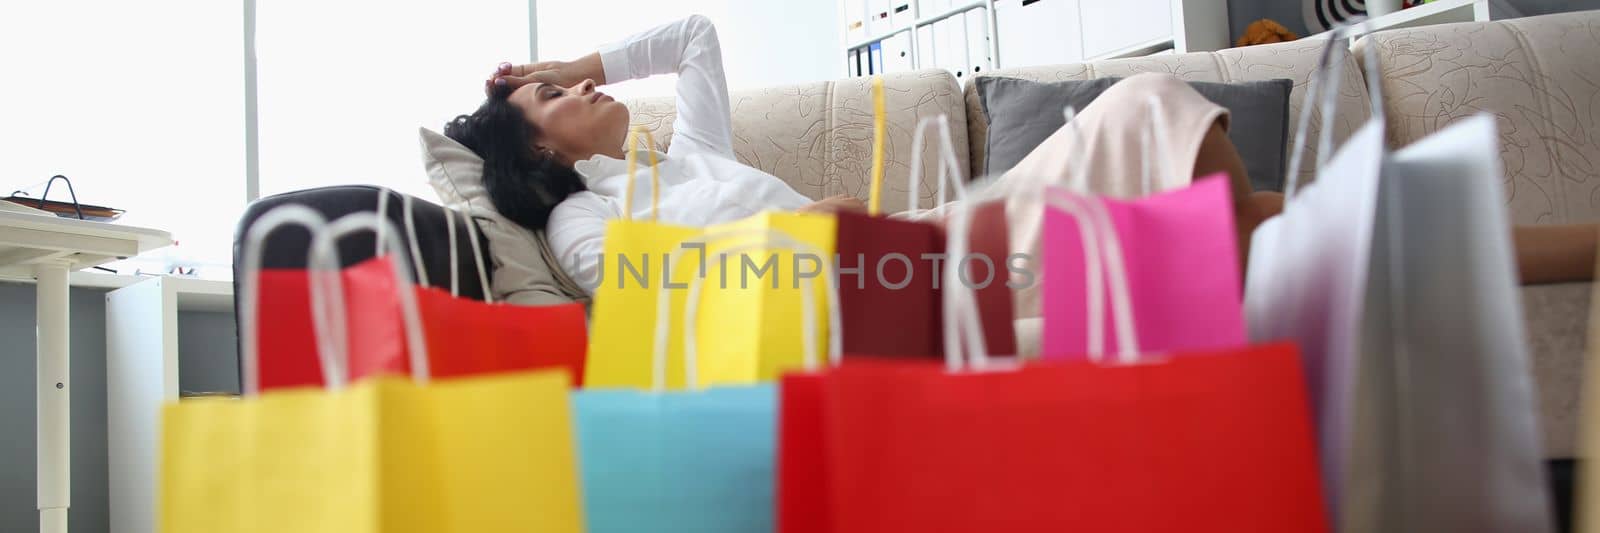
(1138, 50)
(1023, 33)
(920, 22)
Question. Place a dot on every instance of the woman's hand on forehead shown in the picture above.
(559, 73)
(515, 76)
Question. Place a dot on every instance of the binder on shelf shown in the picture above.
(855, 20)
(900, 15)
(876, 51)
(1031, 32)
(951, 47)
(877, 18)
(852, 63)
(925, 45)
(891, 53)
(977, 25)
(897, 52)
(929, 8)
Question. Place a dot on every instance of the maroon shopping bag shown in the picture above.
(890, 273)
(887, 284)
(890, 270)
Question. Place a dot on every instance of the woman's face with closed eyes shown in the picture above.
(574, 123)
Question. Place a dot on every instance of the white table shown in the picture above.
(47, 248)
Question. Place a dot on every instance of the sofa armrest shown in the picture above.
(288, 247)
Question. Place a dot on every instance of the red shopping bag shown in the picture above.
(287, 343)
(803, 478)
(1206, 442)
(802, 470)
(803, 473)
(463, 336)
(276, 322)
(467, 337)
(1196, 441)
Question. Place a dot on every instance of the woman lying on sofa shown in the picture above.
(554, 158)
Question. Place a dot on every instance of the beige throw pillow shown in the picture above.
(524, 271)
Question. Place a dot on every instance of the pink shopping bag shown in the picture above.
(1182, 266)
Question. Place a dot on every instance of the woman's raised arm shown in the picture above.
(687, 47)
(690, 49)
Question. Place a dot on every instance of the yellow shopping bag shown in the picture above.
(490, 453)
(750, 308)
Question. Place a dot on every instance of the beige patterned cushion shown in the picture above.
(818, 137)
(1540, 76)
(1295, 60)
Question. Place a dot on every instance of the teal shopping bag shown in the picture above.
(677, 462)
(693, 460)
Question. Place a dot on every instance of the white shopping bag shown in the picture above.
(1446, 435)
(1394, 273)
(1307, 273)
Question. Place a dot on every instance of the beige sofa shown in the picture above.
(1538, 75)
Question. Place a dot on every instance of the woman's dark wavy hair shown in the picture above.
(524, 185)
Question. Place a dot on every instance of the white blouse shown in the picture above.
(701, 182)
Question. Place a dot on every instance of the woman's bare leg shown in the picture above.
(1555, 253)
(1250, 208)
(1545, 254)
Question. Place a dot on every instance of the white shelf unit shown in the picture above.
(1037, 32)
(917, 21)
(1436, 12)
(142, 376)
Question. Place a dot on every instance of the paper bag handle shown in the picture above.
(949, 167)
(409, 217)
(327, 299)
(770, 238)
(880, 130)
(961, 319)
(1116, 272)
(1326, 79)
(250, 283)
(633, 164)
(962, 325)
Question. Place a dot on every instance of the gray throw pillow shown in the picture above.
(1023, 113)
